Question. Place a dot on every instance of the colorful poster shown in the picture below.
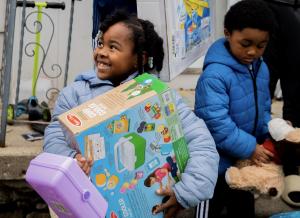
(190, 31)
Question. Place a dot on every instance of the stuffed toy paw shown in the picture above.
(266, 180)
(293, 136)
(291, 194)
(281, 130)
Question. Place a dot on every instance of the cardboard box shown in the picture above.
(130, 132)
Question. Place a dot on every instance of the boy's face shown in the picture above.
(248, 44)
(114, 57)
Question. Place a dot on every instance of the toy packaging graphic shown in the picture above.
(134, 137)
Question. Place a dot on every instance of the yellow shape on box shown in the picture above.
(195, 5)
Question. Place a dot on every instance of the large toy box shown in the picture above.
(132, 133)
(66, 189)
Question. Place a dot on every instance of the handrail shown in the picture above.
(7, 68)
(32, 4)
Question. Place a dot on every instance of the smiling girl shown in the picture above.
(126, 47)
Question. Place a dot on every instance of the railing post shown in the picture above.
(69, 43)
(7, 67)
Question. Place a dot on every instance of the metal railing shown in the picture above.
(9, 38)
(39, 67)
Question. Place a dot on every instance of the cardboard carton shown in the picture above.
(130, 132)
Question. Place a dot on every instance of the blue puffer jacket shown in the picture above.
(232, 103)
(199, 178)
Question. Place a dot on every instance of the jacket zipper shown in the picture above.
(251, 71)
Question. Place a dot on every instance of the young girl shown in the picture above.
(158, 175)
(170, 167)
(128, 46)
(232, 96)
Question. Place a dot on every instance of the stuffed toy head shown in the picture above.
(266, 180)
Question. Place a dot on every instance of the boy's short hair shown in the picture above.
(249, 14)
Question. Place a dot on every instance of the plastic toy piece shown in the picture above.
(64, 186)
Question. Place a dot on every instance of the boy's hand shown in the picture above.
(171, 207)
(85, 164)
(261, 155)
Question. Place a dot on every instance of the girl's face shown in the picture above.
(248, 44)
(114, 57)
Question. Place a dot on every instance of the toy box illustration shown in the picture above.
(134, 136)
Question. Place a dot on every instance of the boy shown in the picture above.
(232, 97)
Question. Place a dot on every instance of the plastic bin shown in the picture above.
(64, 186)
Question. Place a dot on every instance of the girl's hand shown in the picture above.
(85, 164)
(171, 207)
(261, 155)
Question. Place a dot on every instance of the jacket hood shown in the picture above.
(218, 53)
(93, 80)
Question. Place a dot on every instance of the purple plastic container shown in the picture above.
(64, 186)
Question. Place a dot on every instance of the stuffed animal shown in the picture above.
(282, 131)
(266, 180)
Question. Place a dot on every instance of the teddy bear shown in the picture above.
(266, 180)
